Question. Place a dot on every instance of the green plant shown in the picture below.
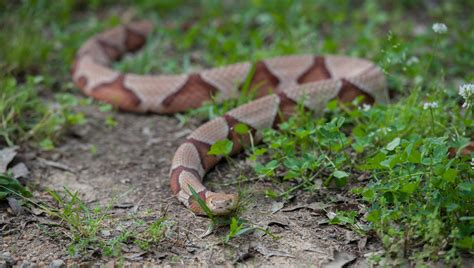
(23, 116)
(10, 186)
(419, 193)
(85, 226)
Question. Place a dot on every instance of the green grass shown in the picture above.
(24, 117)
(88, 228)
(96, 231)
(420, 198)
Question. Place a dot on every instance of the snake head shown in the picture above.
(222, 204)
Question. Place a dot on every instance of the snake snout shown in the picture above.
(222, 204)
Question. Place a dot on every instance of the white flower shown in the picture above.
(384, 130)
(366, 107)
(412, 60)
(430, 105)
(467, 93)
(472, 163)
(440, 28)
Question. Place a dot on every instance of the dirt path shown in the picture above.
(131, 163)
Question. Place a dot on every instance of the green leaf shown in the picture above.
(452, 206)
(47, 144)
(292, 163)
(467, 242)
(243, 231)
(467, 186)
(358, 131)
(9, 186)
(393, 144)
(368, 194)
(374, 162)
(260, 151)
(221, 148)
(374, 216)
(358, 147)
(340, 174)
(267, 169)
(271, 194)
(201, 203)
(410, 187)
(414, 157)
(450, 175)
(241, 128)
(105, 108)
(344, 217)
(110, 121)
(332, 105)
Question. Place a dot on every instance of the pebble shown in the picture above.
(6, 257)
(57, 264)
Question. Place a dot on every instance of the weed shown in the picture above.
(10, 186)
(86, 227)
(24, 117)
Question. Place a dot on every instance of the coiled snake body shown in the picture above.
(281, 82)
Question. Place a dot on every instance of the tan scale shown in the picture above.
(258, 114)
(371, 81)
(316, 94)
(288, 69)
(187, 156)
(92, 49)
(187, 178)
(152, 90)
(115, 37)
(142, 27)
(343, 67)
(227, 79)
(212, 131)
(94, 74)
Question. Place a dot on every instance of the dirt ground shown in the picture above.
(131, 164)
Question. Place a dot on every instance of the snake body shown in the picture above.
(280, 84)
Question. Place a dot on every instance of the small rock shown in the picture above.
(57, 264)
(276, 206)
(25, 264)
(125, 181)
(110, 264)
(267, 253)
(105, 233)
(56, 156)
(6, 156)
(15, 206)
(339, 259)
(7, 258)
(20, 171)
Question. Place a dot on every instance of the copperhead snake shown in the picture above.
(280, 84)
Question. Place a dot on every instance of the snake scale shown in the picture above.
(280, 84)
